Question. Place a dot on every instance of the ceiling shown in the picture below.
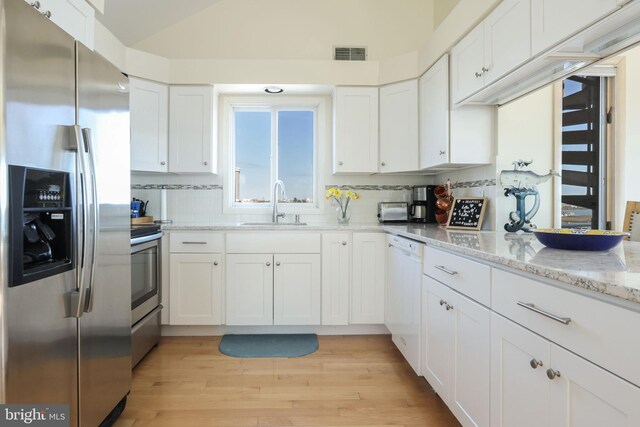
(133, 21)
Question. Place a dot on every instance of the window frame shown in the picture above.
(270, 103)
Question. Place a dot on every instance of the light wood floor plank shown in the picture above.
(350, 381)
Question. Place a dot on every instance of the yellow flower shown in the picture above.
(352, 195)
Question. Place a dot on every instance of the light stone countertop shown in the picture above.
(615, 273)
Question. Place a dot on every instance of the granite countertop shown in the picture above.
(238, 226)
(615, 273)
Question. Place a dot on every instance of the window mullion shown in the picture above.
(274, 147)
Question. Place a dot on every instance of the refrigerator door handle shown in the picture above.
(77, 296)
(95, 213)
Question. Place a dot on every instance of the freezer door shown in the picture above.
(105, 326)
(39, 357)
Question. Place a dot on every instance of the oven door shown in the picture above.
(145, 279)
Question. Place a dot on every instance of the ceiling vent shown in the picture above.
(350, 53)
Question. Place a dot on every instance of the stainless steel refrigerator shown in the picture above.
(64, 221)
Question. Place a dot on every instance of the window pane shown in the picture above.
(253, 156)
(295, 154)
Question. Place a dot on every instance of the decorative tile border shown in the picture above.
(175, 187)
(473, 184)
(371, 187)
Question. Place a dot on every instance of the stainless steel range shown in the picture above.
(145, 290)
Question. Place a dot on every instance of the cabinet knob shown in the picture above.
(552, 374)
(449, 307)
(36, 5)
(535, 363)
(478, 74)
(442, 302)
(47, 14)
(485, 70)
(277, 263)
(442, 152)
(215, 262)
(163, 163)
(383, 164)
(268, 264)
(340, 163)
(206, 163)
(344, 243)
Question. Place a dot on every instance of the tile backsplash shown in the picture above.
(199, 198)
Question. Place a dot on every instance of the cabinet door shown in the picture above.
(249, 289)
(553, 21)
(191, 129)
(438, 336)
(355, 142)
(296, 289)
(75, 17)
(434, 115)
(470, 378)
(520, 389)
(399, 127)
(336, 251)
(149, 106)
(368, 283)
(196, 289)
(584, 395)
(507, 33)
(467, 61)
(395, 276)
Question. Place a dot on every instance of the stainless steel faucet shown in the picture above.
(276, 195)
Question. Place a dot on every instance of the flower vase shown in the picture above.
(343, 216)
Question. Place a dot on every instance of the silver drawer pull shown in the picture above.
(532, 307)
(551, 374)
(535, 363)
(194, 243)
(446, 270)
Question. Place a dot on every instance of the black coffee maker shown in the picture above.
(423, 204)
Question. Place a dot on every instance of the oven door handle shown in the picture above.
(145, 239)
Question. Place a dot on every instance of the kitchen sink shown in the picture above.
(273, 223)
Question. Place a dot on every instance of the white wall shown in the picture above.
(441, 9)
(295, 29)
(525, 131)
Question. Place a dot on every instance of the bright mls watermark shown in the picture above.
(34, 415)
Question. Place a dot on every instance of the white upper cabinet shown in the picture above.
(507, 35)
(149, 106)
(355, 142)
(191, 130)
(467, 65)
(75, 17)
(399, 127)
(451, 138)
(553, 21)
(434, 115)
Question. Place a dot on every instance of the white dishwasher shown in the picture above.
(404, 297)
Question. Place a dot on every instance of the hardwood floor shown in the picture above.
(349, 381)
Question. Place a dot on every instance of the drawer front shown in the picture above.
(468, 277)
(273, 243)
(600, 332)
(196, 242)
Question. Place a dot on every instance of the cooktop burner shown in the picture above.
(141, 230)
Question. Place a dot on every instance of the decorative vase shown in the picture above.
(343, 216)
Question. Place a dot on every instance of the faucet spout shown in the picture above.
(276, 195)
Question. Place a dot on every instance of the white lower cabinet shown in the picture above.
(296, 289)
(535, 382)
(249, 290)
(336, 251)
(267, 289)
(368, 279)
(457, 352)
(196, 289)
